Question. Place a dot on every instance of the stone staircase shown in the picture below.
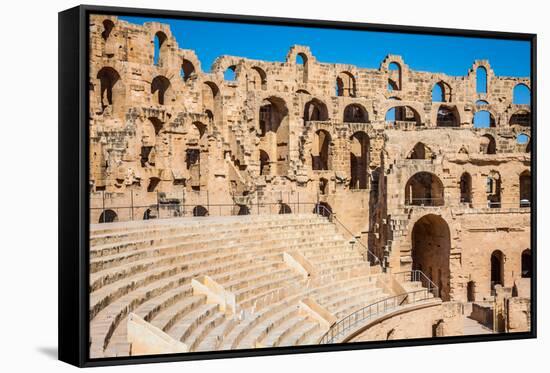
(147, 268)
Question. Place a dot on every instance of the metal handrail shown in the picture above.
(324, 211)
(416, 275)
(350, 322)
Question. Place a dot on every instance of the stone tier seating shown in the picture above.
(147, 268)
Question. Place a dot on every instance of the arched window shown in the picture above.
(229, 74)
(481, 80)
(424, 189)
(161, 90)
(109, 46)
(447, 117)
(420, 151)
(321, 151)
(345, 85)
(264, 163)
(441, 92)
(526, 264)
(111, 89)
(488, 144)
(355, 113)
(315, 110)
(521, 118)
(200, 211)
(481, 103)
(402, 114)
(525, 189)
(160, 47)
(394, 76)
(257, 79)
(284, 209)
(493, 189)
(301, 66)
(466, 188)
(187, 70)
(108, 216)
(359, 160)
(497, 268)
(521, 95)
(484, 119)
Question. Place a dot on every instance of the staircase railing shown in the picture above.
(353, 321)
(371, 257)
(418, 276)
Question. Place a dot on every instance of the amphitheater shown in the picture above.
(266, 204)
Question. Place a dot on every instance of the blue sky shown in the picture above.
(445, 54)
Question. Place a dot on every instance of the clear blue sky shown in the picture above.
(445, 54)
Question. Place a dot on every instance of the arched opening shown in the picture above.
(109, 44)
(160, 48)
(200, 211)
(441, 92)
(321, 151)
(394, 76)
(481, 80)
(403, 114)
(301, 67)
(521, 95)
(257, 79)
(345, 84)
(210, 93)
(497, 268)
(264, 163)
(274, 133)
(488, 144)
(284, 209)
(111, 89)
(424, 189)
(157, 124)
(466, 188)
(525, 189)
(323, 186)
(523, 142)
(447, 117)
(315, 110)
(471, 291)
(230, 74)
(493, 189)
(322, 209)
(526, 264)
(481, 103)
(431, 248)
(484, 119)
(521, 118)
(153, 183)
(243, 210)
(108, 26)
(187, 70)
(359, 160)
(420, 151)
(108, 216)
(355, 113)
(150, 214)
(160, 88)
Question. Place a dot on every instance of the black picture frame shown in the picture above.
(74, 206)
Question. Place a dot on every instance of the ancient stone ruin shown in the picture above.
(395, 156)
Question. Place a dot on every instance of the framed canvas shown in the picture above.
(234, 186)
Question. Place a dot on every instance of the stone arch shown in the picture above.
(523, 141)
(109, 43)
(257, 78)
(488, 144)
(345, 84)
(108, 216)
(395, 76)
(161, 90)
(521, 94)
(424, 189)
(359, 160)
(315, 110)
(525, 189)
(494, 189)
(402, 113)
(160, 46)
(497, 269)
(481, 80)
(420, 151)
(321, 151)
(355, 113)
(431, 250)
(273, 123)
(112, 91)
(284, 209)
(447, 116)
(441, 92)
(200, 211)
(264, 163)
(466, 188)
(230, 74)
(526, 264)
(302, 62)
(484, 119)
(520, 118)
(187, 69)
